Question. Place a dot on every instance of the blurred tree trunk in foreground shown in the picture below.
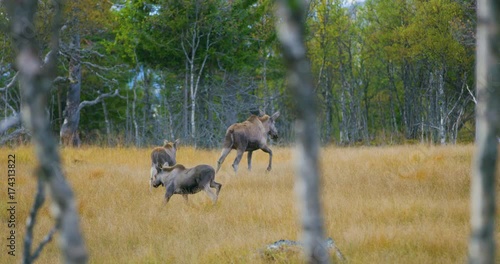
(482, 240)
(35, 84)
(290, 32)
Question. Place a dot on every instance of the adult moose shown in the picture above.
(162, 156)
(178, 179)
(249, 136)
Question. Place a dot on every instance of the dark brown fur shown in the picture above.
(249, 136)
(163, 156)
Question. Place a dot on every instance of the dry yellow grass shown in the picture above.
(405, 204)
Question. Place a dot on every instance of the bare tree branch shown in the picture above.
(93, 65)
(4, 98)
(13, 135)
(60, 79)
(11, 83)
(90, 52)
(9, 122)
(471, 94)
(97, 100)
(30, 224)
(44, 242)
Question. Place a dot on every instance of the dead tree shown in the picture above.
(483, 210)
(290, 33)
(35, 81)
(69, 130)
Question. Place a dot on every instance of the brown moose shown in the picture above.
(162, 156)
(249, 136)
(181, 180)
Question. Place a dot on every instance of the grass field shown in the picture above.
(403, 204)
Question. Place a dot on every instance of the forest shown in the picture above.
(133, 73)
(117, 77)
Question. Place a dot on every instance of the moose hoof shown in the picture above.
(268, 169)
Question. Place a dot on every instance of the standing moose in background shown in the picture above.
(249, 136)
(162, 156)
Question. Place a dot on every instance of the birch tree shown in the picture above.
(191, 43)
(291, 35)
(35, 80)
(483, 210)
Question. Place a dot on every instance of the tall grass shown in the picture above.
(405, 204)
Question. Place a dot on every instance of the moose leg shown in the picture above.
(249, 158)
(153, 173)
(223, 155)
(167, 197)
(210, 193)
(168, 194)
(217, 186)
(239, 155)
(268, 150)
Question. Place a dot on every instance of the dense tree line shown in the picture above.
(138, 72)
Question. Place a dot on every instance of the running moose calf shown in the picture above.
(249, 136)
(180, 180)
(162, 156)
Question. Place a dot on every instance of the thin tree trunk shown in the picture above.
(483, 209)
(69, 130)
(193, 115)
(169, 117)
(442, 106)
(185, 103)
(290, 33)
(408, 100)
(393, 97)
(127, 123)
(146, 110)
(433, 118)
(134, 118)
(329, 111)
(106, 122)
(345, 136)
(59, 108)
(264, 80)
(35, 86)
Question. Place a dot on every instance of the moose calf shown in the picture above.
(181, 180)
(162, 156)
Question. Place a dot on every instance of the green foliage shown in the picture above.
(375, 66)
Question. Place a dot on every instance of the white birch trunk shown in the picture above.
(483, 209)
(134, 119)
(442, 107)
(193, 42)
(193, 91)
(290, 33)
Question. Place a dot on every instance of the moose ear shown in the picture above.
(176, 142)
(165, 142)
(275, 115)
(167, 168)
(261, 113)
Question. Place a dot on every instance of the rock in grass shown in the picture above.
(285, 245)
